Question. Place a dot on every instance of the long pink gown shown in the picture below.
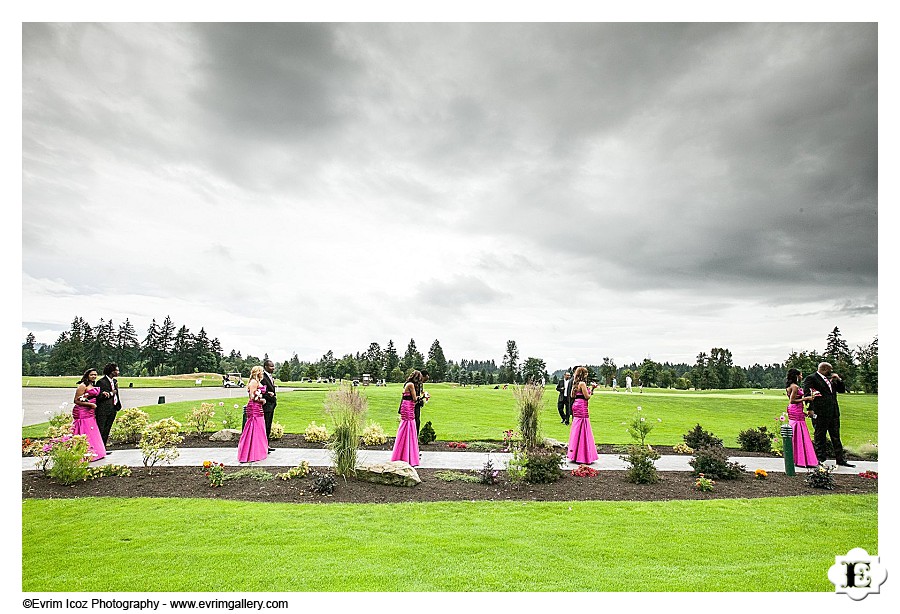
(406, 446)
(85, 423)
(254, 444)
(804, 452)
(582, 448)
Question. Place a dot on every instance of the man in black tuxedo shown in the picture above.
(564, 403)
(268, 381)
(108, 402)
(824, 386)
(420, 397)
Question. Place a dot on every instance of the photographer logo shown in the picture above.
(857, 574)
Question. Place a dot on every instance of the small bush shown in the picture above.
(456, 476)
(704, 484)
(641, 469)
(821, 477)
(515, 466)
(158, 442)
(294, 472)
(756, 440)
(639, 427)
(316, 433)
(426, 434)
(712, 461)
(70, 455)
(60, 425)
(108, 471)
(697, 438)
(682, 448)
(215, 472)
(277, 431)
(129, 425)
(374, 435)
(323, 483)
(543, 467)
(488, 475)
(200, 418)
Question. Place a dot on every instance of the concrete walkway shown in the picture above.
(290, 457)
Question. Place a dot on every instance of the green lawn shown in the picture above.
(171, 545)
(482, 413)
(180, 381)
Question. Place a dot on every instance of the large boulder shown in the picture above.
(393, 473)
(225, 435)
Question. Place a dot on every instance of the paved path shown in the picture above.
(289, 457)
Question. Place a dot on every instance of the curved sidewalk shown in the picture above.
(290, 457)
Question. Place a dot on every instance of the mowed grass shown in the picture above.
(173, 545)
(483, 413)
(172, 381)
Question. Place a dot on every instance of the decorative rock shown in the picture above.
(393, 473)
(225, 435)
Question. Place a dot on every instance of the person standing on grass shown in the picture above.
(254, 442)
(563, 403)
(268, 382)
(582, 448)
(804, 452)
(628, 383)
(824, 386)
(406, 445)
(108, 402)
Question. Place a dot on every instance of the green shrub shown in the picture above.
(756, 440)
(254, 473)
(200, 418)
(215, 472)
(232, 416)
(529, 402)
(697, 438)
(488, 475)
(323, 483)
(129, 425)
(347, 408)
(682, 448)
(639, 427)
(712, 461)
(641, 469)
(821, 477)
(455, 476)
(485, 446)
(277, 431)
(543, 467)
(374, 435)
(60, 425)
(158, 442)
(316, 433)
(426, 434)
(69, 456)
(107, 471)
(704, 484)
(515, 466)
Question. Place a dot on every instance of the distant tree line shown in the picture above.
(170, 350)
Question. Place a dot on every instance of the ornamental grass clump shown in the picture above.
(712, 461)
(529, 402)
(347, 408)
(129, 425)
(158, 442)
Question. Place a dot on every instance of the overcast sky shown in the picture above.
(588, 190)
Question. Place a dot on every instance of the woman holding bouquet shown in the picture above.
(254, 444)
(804, 453)
(406, 446)
(84, 422)
(582, 448)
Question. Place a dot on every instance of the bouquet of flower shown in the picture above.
(257, 396)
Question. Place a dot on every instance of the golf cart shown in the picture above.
(232, 380)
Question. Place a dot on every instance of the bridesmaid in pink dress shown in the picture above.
(84, 422)
(254, 444)
(582, 448)
(804, 453)
(406, 446)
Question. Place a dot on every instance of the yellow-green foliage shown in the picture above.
(277, 431)
(201, 417)
(129, 425)
(316, 433)
(374, 435)
(158, 441)
(682, 448)
(294, 472)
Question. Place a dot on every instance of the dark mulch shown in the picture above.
(607, 486)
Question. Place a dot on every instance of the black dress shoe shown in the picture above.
(846, 464)
(271, 449)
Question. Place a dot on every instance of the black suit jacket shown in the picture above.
(826, 404)
(113, 403)
(561, 389)
(271, 400)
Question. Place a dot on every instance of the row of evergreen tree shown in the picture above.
(167, 350)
